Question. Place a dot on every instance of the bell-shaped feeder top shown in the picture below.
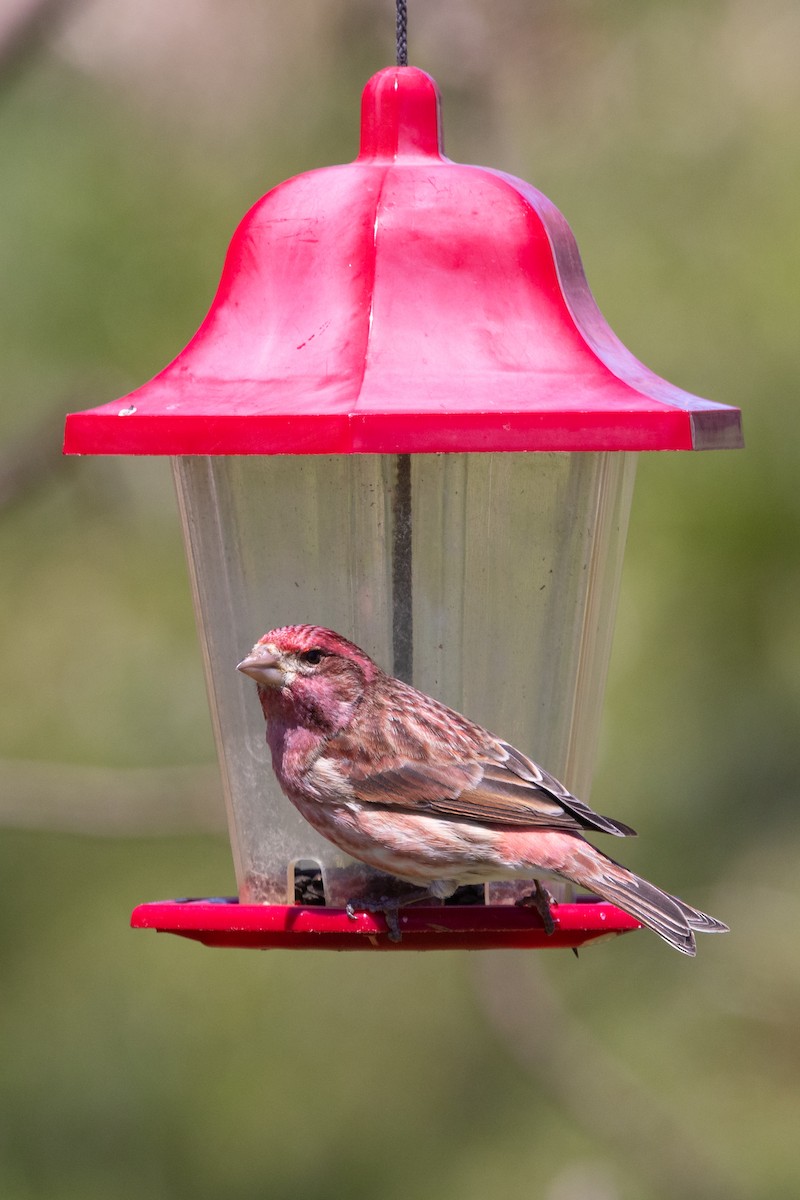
(403, 303)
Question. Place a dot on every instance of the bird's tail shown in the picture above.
(666, 915)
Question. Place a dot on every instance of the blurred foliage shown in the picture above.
(134, 138)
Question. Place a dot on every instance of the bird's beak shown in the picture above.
(264, 667)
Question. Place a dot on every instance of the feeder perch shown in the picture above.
(403, 418)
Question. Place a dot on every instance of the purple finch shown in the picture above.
(412, 788)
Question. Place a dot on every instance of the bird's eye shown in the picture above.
(312, 657)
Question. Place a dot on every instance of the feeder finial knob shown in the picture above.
(400, 116)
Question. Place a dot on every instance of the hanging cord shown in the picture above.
(402, 597)
(402, 33)
(402, 592)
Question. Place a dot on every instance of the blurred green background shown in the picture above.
(134, 136)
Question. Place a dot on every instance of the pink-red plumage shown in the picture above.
(412, 788)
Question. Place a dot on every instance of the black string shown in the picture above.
(402, 597)
(402, 600)
(402, 33)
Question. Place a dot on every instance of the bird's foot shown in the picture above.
(540, 899)
(389, 907)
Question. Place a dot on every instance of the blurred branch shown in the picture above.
(110, 801)
(24, 25)
(593, 1086)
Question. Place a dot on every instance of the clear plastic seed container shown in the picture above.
(491, 579)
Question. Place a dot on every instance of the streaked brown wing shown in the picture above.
(528, 770)
(428, 758)
(474, 791)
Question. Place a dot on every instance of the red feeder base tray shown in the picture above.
(224, 921)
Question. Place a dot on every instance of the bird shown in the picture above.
(412, 788)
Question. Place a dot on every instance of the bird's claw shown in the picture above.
(389, 909)
(540, 899)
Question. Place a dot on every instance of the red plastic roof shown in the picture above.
(403, 303)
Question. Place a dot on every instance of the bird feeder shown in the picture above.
(403, 418)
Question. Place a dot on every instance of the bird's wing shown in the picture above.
(501, 787)
(530, 771)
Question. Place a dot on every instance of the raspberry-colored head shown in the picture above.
(313, 674)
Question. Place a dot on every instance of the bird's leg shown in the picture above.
(389, 907)
(540, 899)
